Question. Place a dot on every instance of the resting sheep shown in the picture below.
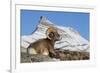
(45, 46)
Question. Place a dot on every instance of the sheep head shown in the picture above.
(52, 34)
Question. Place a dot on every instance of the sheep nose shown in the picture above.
(59, 37)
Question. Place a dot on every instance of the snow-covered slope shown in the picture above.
(71, 39)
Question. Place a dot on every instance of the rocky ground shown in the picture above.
(62, 55)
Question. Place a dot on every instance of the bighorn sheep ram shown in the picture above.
(45, 46)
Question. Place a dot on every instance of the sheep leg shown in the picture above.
(52, 53)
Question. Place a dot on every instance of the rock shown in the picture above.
(71, 55)
(24, 58)
(40, 58)
(35, 58)
(61, 55)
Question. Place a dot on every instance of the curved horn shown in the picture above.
(49, 30)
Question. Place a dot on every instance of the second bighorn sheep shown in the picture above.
(45, 46)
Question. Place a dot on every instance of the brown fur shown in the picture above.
(45, 46)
